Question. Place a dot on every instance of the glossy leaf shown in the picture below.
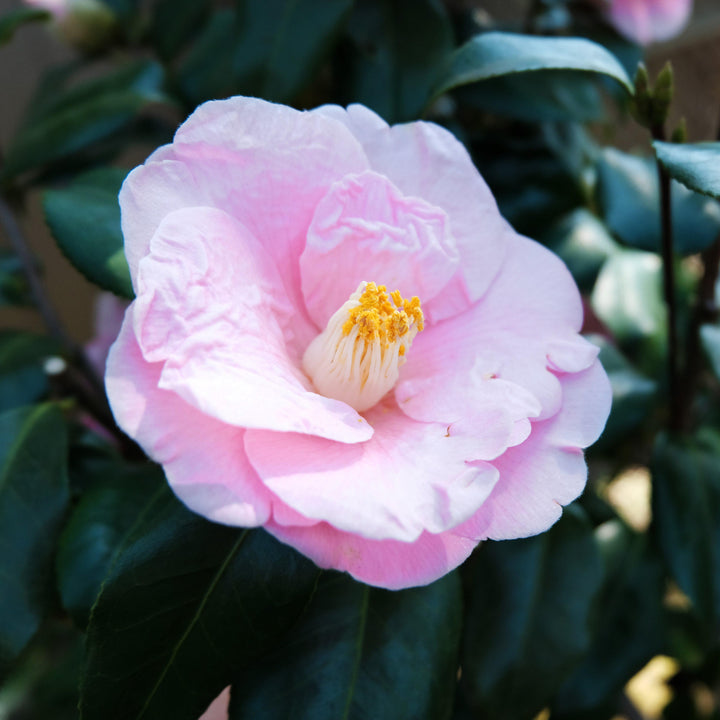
(175, 23)
(695, 166)
(710, 338)
(628, 628)
(686, 508)
(186, 603)
(495, 54)
(398, 46)
(629, 197)
(33, 497)
(84, 219)
(528, 617)
(269, 49)
(584, 243)
(14, 288)
(15, 19)
(22, 376)
(83, 116)
(628, 299)
(633, 395)
(360, 652)
(96, 529)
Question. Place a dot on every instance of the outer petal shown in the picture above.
(521, 331)
(212, 309)
(203, 459)
(265, 164)
(426, 161)
(385, 563)
(408, 478)
(646, 21)
(548, 470)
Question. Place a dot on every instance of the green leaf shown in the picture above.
(495, 54)
(629, 196)
(33, 497)
(84, 219)
(14, 289)
(628, 627)
(710, 338)
(360, 652)
(686, 510)
(175, 23)
(397, 47)
(584, 243)
(23, 379)
(83, 116)
(634, 395)
(99, 524)
(695, 166)
(15, 19)
(270, 49)
(186, 604)
(628, 298)
(528, 617)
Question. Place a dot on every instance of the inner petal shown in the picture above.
(357, 358)
(365, 227)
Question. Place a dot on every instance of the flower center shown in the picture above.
(357, 357)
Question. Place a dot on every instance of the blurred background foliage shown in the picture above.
(109, 585)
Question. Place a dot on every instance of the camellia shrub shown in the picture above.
(401, 399)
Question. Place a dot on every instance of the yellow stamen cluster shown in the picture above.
(382, 317)
(357, 357)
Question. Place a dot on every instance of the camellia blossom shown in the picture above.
(647, 21)
(337, 337)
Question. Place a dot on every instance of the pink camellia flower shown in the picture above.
(337, 337)
(647, 21)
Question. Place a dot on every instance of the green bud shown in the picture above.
(663, 94)
(679, 134)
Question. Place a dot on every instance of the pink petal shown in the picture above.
(218, 708)
(203, 459)
(647, 21)
(365, 229)
(211, 308)
(426, 161)
(384, 563)
(408, 478)
(547, 470)
(532, 310)
(241, 155)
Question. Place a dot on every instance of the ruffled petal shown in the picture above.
(548, 470)
(426, 161)
(203, 459)
(241, 155)
(384, 563)
(647, 21)
(211, 309)
(365, 229)
(409, 477)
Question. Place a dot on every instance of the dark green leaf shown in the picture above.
(496, 54)
(33, 498)
(14, 288)
(629, 196)
(84, 219)
(99, 523)
(628, 628)
(186, 604)
(84, 116)
(360, 652)
(710, 337)
(15, 19)
(628, 299)
(540, 96)
(686, 509)
(23, 379)
(528, 617)
(695, 166)
(175, 23)
(584, 243)
(634, 395)
(270, 49)
(397, 48)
